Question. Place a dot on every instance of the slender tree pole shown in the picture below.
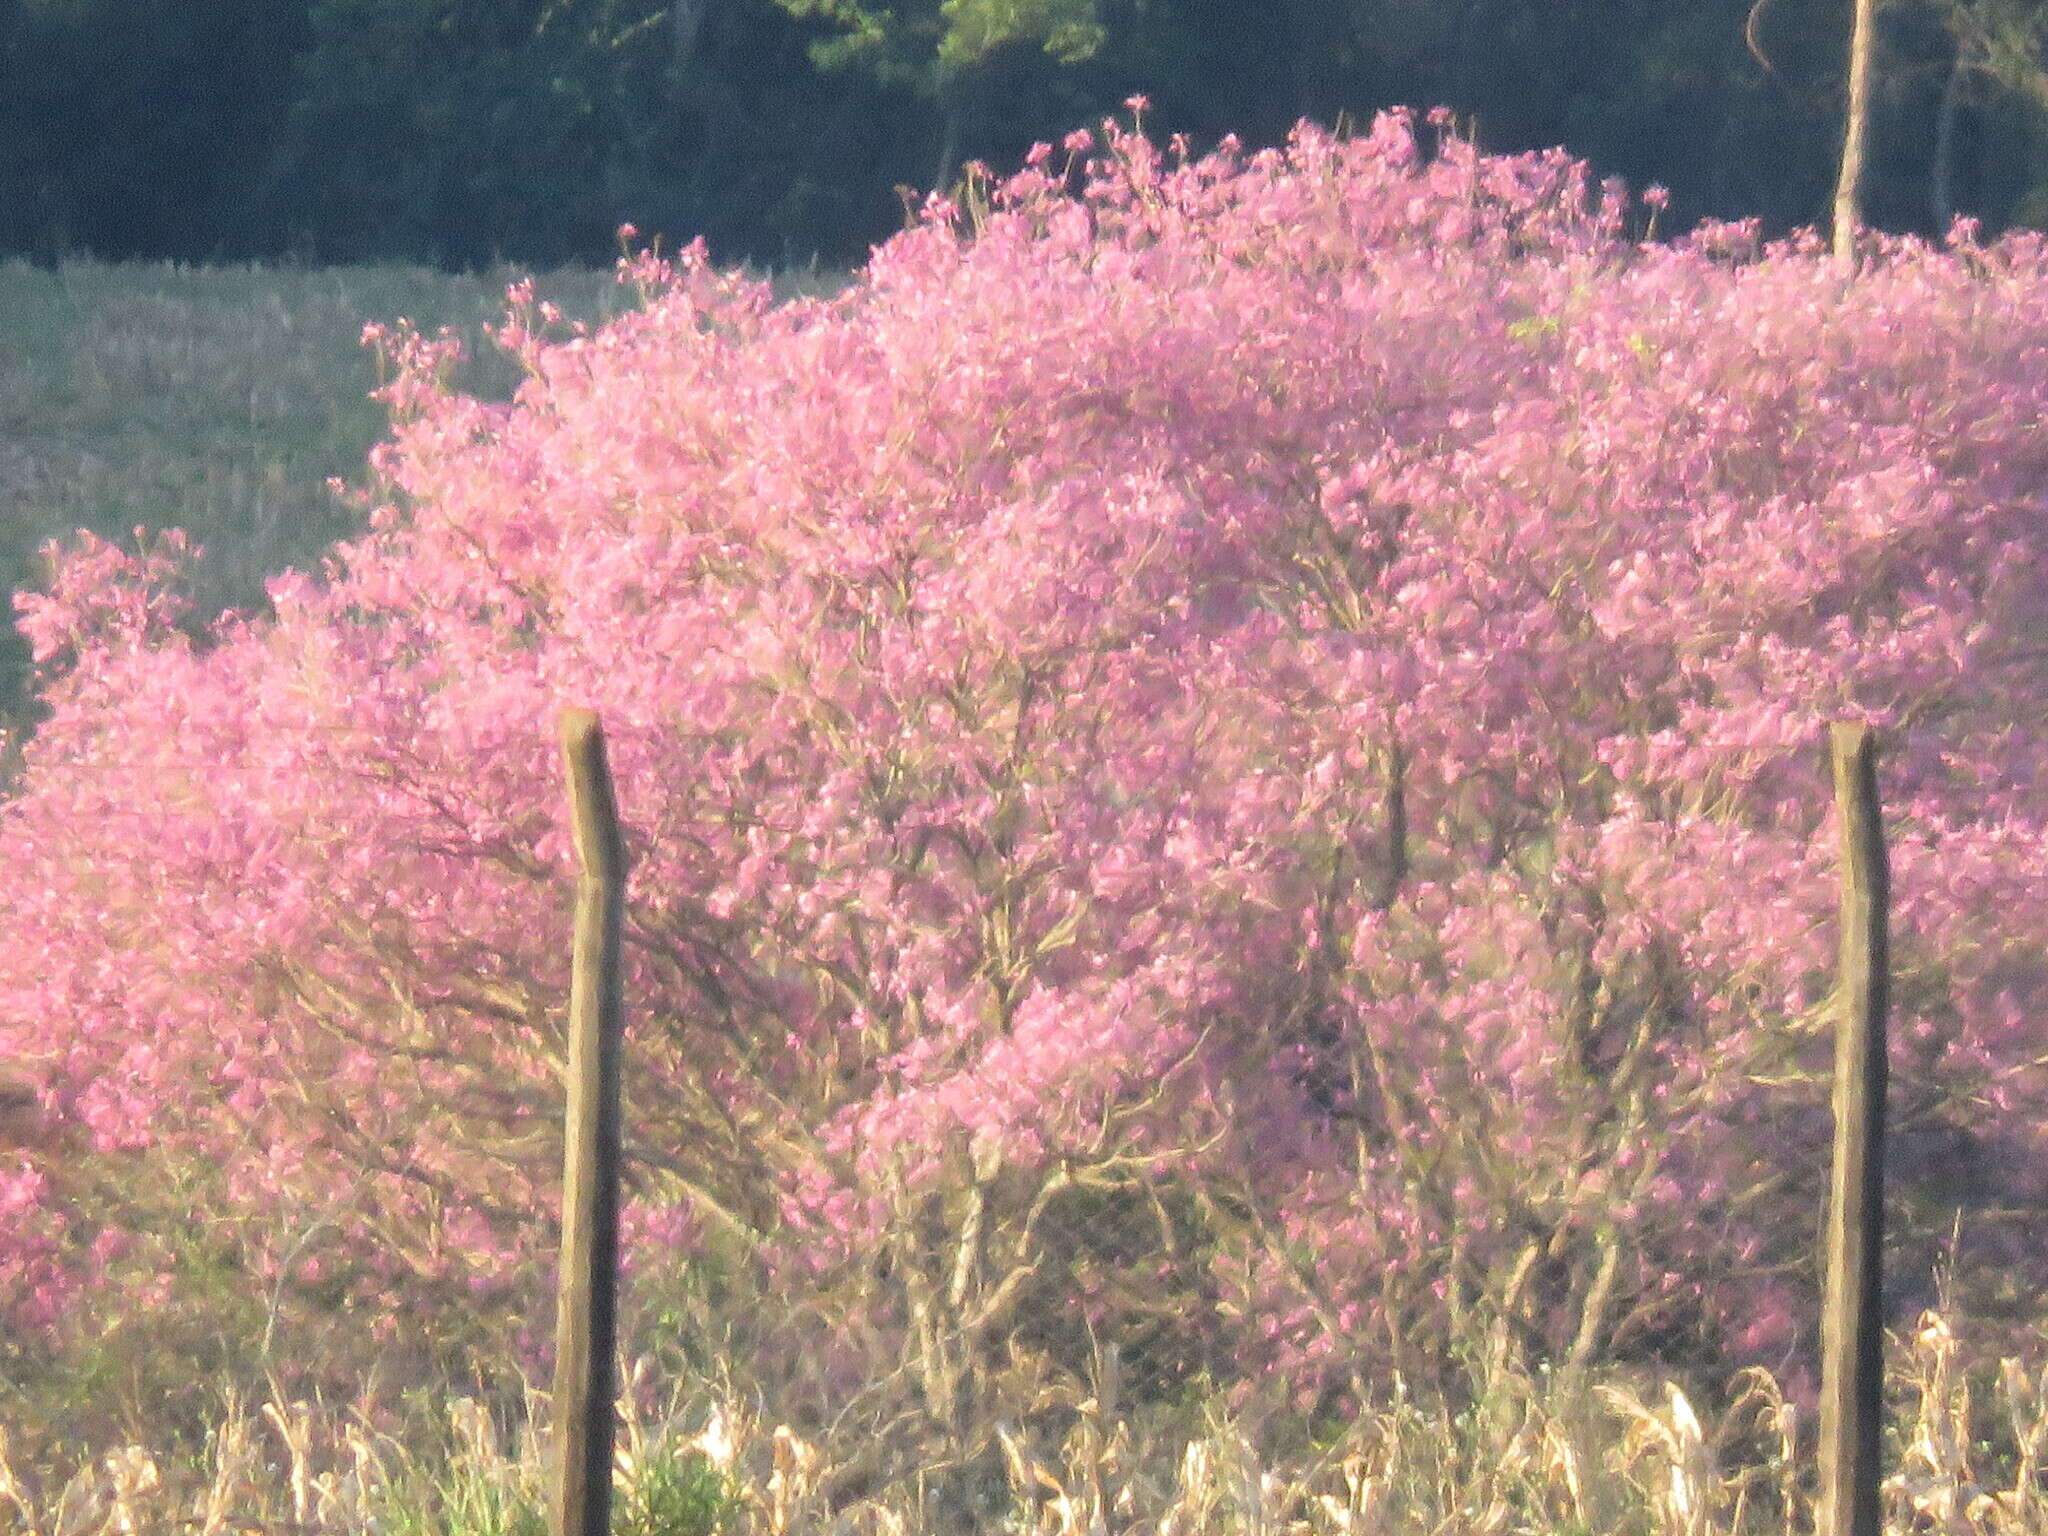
(1941, 203)
(586, 1316)
(686, 20)
(1852, 1328)
(1849, 185)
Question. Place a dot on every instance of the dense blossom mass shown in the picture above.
(1283, 694)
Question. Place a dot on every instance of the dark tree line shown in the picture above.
(460, 131)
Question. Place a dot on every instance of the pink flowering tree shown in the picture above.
(1222, 757)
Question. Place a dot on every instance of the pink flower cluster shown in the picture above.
(1302, 673)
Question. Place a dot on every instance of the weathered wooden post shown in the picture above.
(586, 1319)
(1852, 1329)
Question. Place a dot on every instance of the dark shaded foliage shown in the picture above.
(463, 131)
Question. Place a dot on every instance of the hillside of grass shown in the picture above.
(220, 400)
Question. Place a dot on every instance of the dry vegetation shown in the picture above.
(1617, 1458)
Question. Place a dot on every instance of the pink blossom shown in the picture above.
(1006, 665)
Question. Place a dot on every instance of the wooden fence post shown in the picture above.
(586, 1319)
(1852, 1327)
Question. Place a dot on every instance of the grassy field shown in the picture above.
(1964, 1453)
(219, 400)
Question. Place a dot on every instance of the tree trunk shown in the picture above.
(686, 18)
(1941, 178)
(1848, 189)
(953, 107)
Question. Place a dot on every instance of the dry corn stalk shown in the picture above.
(1684, 1495)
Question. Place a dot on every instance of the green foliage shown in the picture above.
(676, 1495)
(480, 1491)
(1070, 31)
(455, 131)
(928, 43)
(136, 126)
(470, 1504)
(460, 132)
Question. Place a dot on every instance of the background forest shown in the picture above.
(459, 132)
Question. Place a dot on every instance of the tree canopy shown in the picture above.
(458, 132)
